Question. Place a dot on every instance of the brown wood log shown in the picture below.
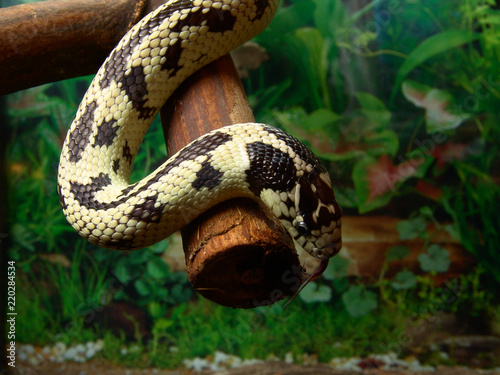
(235, 254)
(52, 40)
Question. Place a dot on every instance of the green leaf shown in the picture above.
(291, 17)
(162, 325)
(359, 301)
(180, 293)
(268, 97)
(328, 16)
(138, 257)
(439, 114)
(317, 130)
(320, 118)
(124, 271)
(156, 311)
(143, 288)
(157, 268)
(162, 294)
(346, 197)
(337, 268)
(159, 247)
(313, 292)
(412, 228)
(370, 102)
(404, 280)
(437, 259)
(453, 231)
(385, 142)
(22, 235)
(315, 63)
(431, 47)
(397, 253)
(490, 20)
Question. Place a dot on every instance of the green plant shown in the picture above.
(147, 279)
(430, 133)
(36, 126)
(62, 299)
(476, 220)
(301, 328)
(37, 329)
(59, 299)
(360, 300)
(80, 287)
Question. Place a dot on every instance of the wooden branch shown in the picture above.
(235, 254)
(53, 40)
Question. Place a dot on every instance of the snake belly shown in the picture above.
(242, 160)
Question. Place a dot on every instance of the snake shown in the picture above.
(250, 160)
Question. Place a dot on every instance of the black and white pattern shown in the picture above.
(243, 160)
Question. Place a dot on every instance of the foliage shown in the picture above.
(80, 287)
(427, 131)
(41, 322)
(435, 260)
(478, 206)
(360, 134)
(36, 218)
(360, 300)
(61, 298)
(208, 327)
(147, 279)
(424, 130)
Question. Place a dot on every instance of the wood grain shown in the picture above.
(53, 40)
(236, 255)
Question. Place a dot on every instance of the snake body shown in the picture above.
(242, 160)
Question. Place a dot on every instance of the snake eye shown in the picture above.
(302, 228)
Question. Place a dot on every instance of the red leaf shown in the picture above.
(448, 152)
(428, 190)
(380, 177)
(384, 175)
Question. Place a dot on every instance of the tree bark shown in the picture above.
(236, 255)
(53, 40)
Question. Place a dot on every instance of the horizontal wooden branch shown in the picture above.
(52, 40)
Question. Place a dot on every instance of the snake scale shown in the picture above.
(242, 160)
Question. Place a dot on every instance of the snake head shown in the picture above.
(317, 224)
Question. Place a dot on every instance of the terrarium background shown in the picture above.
(400, 100)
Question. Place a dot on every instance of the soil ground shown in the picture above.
(268, 368)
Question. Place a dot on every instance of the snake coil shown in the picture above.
(242, 160)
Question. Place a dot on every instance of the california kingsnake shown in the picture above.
(243, 160)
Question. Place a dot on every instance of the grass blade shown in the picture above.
(430, 47)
